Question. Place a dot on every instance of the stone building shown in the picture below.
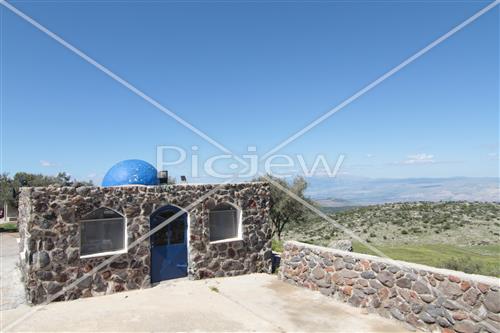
(86, 241)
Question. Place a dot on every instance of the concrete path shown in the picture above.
(11, 290)
(257, 302)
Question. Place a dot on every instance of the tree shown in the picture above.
(10, 186)
(285, 209)
(64, 179)
(6, 187)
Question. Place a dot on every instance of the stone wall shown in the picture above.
(423, 297)
(50, 236)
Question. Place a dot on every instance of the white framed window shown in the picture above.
(225, 223)
(102, 232)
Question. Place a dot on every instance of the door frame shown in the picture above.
(175, 209)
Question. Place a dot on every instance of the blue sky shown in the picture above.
(252, 73)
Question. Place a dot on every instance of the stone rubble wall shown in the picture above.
(426, 298)
(50, 236)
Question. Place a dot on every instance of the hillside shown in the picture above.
(430, 233)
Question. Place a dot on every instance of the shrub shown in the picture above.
(467, 265)
(415, 230)
(461, 264)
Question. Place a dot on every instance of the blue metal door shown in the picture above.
(168, 245)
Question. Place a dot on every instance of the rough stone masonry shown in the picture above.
(429, 299)
(49, 230)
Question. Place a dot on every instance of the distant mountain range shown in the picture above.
(353, 191)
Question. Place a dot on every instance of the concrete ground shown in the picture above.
(11, 288)
(257, 302)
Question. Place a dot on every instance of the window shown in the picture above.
(102, 232)
(224, 221)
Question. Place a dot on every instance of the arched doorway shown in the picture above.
(169, 244)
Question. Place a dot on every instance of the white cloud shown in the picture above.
(47, 164)
(421, 158)
(370, 155)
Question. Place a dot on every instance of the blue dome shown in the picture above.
(131, 172)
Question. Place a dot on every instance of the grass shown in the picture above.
(491, 249)
(8, 227)
(483, 260)
(277, 245)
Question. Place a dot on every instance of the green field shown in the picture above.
(483, 260)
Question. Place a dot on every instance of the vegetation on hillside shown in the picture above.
(464, 223)
(463, 236)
